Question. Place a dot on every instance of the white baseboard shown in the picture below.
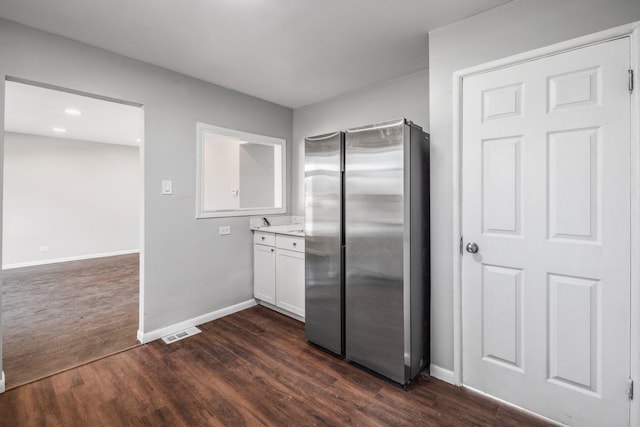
(512, 405)
(281, 311)
(146, 337)
(2, 388)
(67, 259)
(442, 374)
(140, 336)
(448, 376)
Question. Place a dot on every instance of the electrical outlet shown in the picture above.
(44, 248)
(226, 229)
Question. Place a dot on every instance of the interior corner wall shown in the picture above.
(516, 27)
(393, 99)
(78, 199)
(189, 270)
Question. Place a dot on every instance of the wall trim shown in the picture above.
(554, 49)
(635, 225)
(632, 31)
(147, 337)
(519, 408)
(443, 374)
(281, 311)
(67, 259)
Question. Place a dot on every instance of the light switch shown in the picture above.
(167, 186)
(226, 229)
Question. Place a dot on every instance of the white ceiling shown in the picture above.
(291, 52)
(35, 110)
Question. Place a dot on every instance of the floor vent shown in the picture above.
(181, 335)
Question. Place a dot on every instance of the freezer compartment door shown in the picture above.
(374, 254)
(324, 241)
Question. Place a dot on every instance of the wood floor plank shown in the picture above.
(252, 368)
(62, 315)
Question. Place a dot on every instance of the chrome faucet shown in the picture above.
(266, 222)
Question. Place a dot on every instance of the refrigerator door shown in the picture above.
(375, 246)
(324, 241)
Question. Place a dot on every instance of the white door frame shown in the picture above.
(633, 32)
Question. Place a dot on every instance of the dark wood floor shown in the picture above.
(252, 368)
(58, 316)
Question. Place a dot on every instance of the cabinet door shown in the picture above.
(290, 281)
(264, 273)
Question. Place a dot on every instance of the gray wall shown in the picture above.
(188, 269)
(516, 27)
(77, 198)
(403, 97)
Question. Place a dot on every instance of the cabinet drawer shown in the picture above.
(263, 238)
(290, 243)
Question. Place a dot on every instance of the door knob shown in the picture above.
(472, 247)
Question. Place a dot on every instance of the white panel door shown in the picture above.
(546, 198)
(264, 272)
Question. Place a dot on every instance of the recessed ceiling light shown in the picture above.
(59, 130)
(73, 112)
(138, 140)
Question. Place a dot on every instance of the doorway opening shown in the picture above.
(72, 205)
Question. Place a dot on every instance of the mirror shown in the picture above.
(239, 173)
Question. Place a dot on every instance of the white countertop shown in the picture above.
(289, 229)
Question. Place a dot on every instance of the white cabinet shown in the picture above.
(279, 271)
(290, 281)
(264, 268)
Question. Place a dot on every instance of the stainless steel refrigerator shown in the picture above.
(374, 224)
(324, 241)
